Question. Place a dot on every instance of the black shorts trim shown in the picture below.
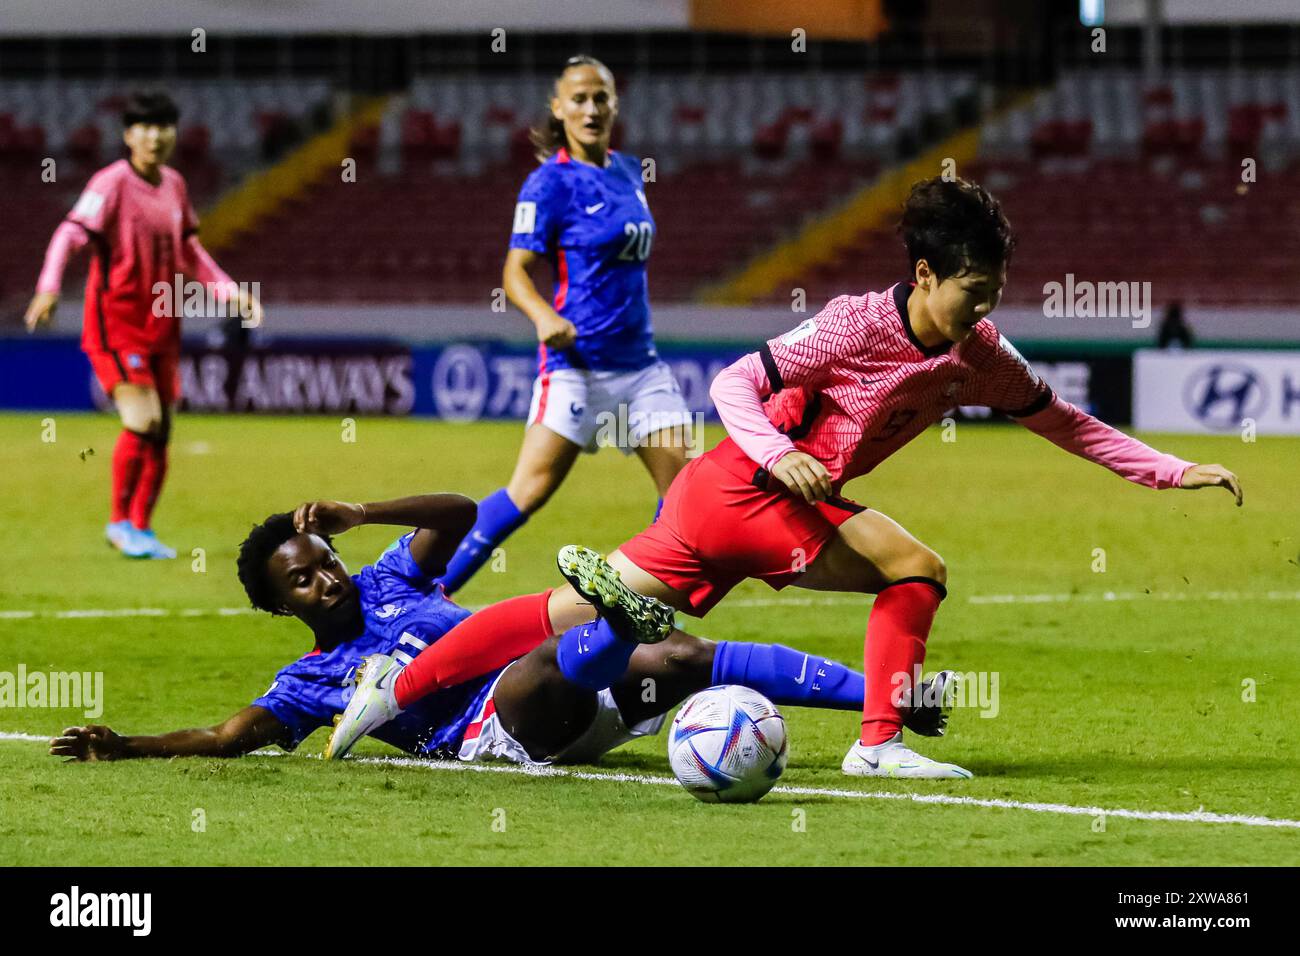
(764, 481)
(852, 507)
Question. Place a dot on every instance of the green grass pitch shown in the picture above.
(1175, 696)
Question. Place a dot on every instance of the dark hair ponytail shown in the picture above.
(547, 136)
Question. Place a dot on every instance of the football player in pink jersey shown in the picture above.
(136, 216)
(809, 411)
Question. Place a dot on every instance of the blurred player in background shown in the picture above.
(584, 209)
(815, 408)
(136, 216)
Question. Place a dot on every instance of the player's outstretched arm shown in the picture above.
(203, 268)
(1081, 434)
(242, 733)
(68, 239)
(441, 520)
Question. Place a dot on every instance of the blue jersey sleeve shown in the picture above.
(539, 213)
(302, 706)
(397, 561)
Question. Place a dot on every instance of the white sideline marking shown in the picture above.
(1135, 596)
(830, 600)
(1196, 816)
(127, 612)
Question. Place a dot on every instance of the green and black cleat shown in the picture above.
(634, 617)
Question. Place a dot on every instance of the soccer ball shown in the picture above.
(727, 744)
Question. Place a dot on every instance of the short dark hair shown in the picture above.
(262, 542)
(955, 226)
(150, 106)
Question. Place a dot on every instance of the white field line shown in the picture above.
(1065, 809)
(126, 612)
(829, 600)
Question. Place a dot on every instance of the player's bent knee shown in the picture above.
(923, 563)
(937, 569)
(138, 420)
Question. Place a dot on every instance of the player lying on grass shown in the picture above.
(572, 698)
(816, 408)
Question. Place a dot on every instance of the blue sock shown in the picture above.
(787, 676)
(592, 655)
(498, 518)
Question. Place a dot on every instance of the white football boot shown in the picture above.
(893, 758)
(372, 704)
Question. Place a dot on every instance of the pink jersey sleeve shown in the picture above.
(94, 213)
(96, 208)
(807, 354)
(738, 393)
(1005, 381)
(201, 266)
(198, 262)
(1078, 432)
(68, 239)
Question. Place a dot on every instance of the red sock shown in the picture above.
(896, 631)
(492, 638)
(128, 457)
(152, 473)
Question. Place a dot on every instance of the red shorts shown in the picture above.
(717, 529)
(157, 370)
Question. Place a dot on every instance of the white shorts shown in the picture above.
(597, 409)
(486, 739)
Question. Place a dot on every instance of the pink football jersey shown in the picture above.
(853, 384)
(137, 232)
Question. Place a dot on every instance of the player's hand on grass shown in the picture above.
(556, 332)
(1212, 476)
(327, 517)
(41, 310)
(804, 475)
(95, 742)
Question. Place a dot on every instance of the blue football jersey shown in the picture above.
(404, 612)
(595, 227)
